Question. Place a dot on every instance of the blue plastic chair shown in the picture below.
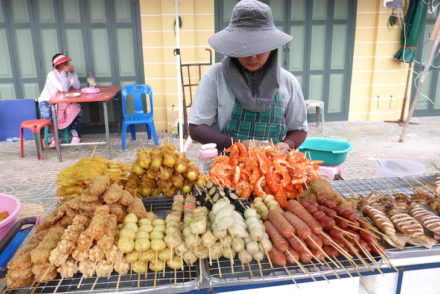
(139, 116)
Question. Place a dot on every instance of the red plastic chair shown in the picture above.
(35, 126)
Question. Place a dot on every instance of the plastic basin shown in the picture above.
(333, 152)
(399, 167)
(13, 206)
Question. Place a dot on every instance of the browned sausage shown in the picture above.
(305, 257)
(291, 255)
(302, 229)
(277, 257)
(354, 235)
(367, 237)
(330, 251)
(277, 240)
(328, 211)
(296, 208)
(365, 244)
(341, 223)
(324, 240)
(336, 234)
(318, 214)
(281, 223)
(297, 245)
(314, 245)
(318, 254)
(350, 215)
(309, 205)
(327, 222)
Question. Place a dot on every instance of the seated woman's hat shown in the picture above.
(251, 31)
(60, 59)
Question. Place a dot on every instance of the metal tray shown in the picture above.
(185, 281)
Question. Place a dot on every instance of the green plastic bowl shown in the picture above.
(332, 152)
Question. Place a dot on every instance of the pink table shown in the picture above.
(106, 93)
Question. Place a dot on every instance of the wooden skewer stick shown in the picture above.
(200, 269)
(171, 254)
(117, 283)
(175, 277)
(219, 269)
(304, 270)
(342, 251)
(318, 270)
(190, 270)
(356, 253)
(370, 226)
(267, 255)
(146, 272)
(369, 256)
(131, 268)
(424, 185)
(251, 274)
(384, 256)
(209, 254)
(80, 281)
(139, 280)
(242, 265)
(343, 267)
(181, 262)
(94, 283)
(58, 285)
(353, 193)
(344, 231)
(307, 249)
(290, 276)
(163, 271)
(259, 268)
(323, 252)
(155, 279)
(35, 287)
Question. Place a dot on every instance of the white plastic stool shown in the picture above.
(319, 105)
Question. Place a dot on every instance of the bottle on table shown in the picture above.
(206, 153)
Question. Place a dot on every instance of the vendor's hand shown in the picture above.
(284, 147)
(71, 68)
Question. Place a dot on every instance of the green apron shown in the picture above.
(263, 126)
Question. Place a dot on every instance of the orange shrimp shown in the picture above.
(263, 162)
(271, 182)
(242, 149)
(258, 190)
(281, 198)
(244, 189)
(236, 177)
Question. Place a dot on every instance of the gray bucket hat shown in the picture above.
(251, 31)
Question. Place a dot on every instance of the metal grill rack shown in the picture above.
(189, 279)
(400, 185)
(362, 187)
(251, 274)
(186, 280)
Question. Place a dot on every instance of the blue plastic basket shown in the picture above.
(331, 151)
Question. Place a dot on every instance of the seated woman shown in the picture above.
(61, 79)
(248, 96)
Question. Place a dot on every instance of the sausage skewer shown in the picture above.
(341, 250)
(314, 256)
(369, 256)
(323, 252)
(326, 255)
(353, 249)
(282, 245)
(280, 260)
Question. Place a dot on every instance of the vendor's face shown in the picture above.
(254, 62)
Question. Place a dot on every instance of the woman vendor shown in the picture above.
(248, 96)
